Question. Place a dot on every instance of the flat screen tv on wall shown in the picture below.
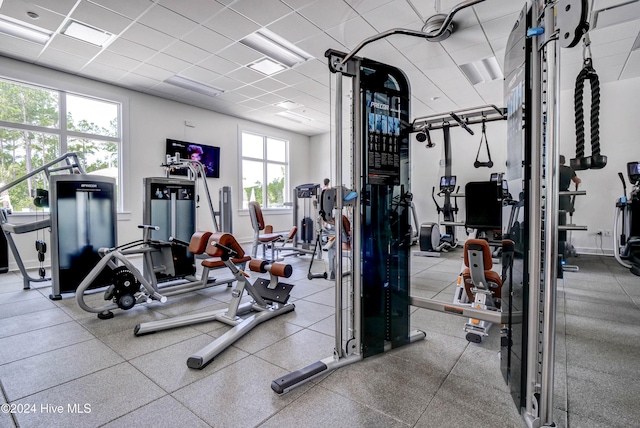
(209, 156)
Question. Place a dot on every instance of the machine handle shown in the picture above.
(148, 226)
(229, 252)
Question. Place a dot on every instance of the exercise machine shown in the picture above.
(626, 227)
(263, 235)
(431, 241)
(269, 300)
(128, 286)
(83, 220)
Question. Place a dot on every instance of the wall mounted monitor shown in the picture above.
(209, 156)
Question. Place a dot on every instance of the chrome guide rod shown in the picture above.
(551, 228)
(414, 33)
(356, 183)
(338, 353)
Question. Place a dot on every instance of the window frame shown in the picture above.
(65, 134)
(265, 135)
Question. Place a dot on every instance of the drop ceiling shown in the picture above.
(200, 40)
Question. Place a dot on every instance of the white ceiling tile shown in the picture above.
(492, 92)
(128, 8)
(472, 53)
(463, 39)
(137, 81)
(74, 46)
(493, 9)
(365, 6)
(499, 28)
(100, 17)
(423, 50)
(233, 97)
(196, 10)
(253, 104)
(168, 62)
(434, 63)
(317, 45)
(199, 74)
(102, 72)
(61, 60)
(613, 48)
(147, 36)
(614, 32)
(290, 77)
(499, 44)
(312, 87)
(297, 4)
(231, 24)
(218, 64)
(351, 33)
(167, 21)
(207, 39)
(116, 60)
(226, 83)
(289, 93)
(263, 12)
(315, 69)
(12, 46)
(130, 49)
(163, 88)
(294, 28)
(250, 91)
(62, 7)
(270, 98)
(153, 72)
(18, 10)
(269, 84)
(186, 52)
(328, 13)
(395, 14)
(236, 109)
(632, 67)
(245, 75)
(240, 54)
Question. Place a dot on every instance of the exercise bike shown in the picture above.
(431, 241)
(626, 227)
(129, 286)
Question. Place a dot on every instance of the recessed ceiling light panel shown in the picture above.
(296, 117)
(86, 33)
(483, 70)
(276, 48)
(192, 85)
(266, 66)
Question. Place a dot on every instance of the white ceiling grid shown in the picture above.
(199, 39)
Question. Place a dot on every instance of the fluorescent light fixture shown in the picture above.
(484, 70)
(266, 66)
(86, 33)
(275, 47)
(23, 30)
(296, 117)
(288, 104)
(192, 85)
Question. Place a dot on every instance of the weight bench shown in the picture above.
(268, 239)
(269, 300)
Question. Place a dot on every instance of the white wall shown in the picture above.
(151, 120)
(619, 138)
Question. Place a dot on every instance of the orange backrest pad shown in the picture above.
(198, 242)
(259, 217)
(225, 239)
(486, 252)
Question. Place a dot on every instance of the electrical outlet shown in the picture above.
(603, 232)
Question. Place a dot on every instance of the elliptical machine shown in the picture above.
(430, 239)
(626, 227)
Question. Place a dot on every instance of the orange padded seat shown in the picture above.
(198, 242)
(265, 237)
(494, 281)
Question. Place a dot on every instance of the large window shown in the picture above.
(265, 170)
(39, 124)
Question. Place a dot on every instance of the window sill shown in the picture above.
(274, 211)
